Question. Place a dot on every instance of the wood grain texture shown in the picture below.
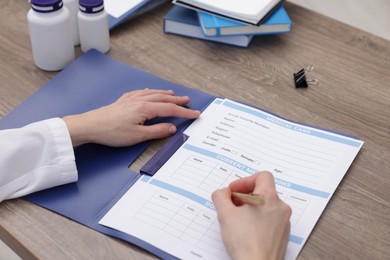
(353, 97)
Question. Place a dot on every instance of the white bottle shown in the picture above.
(93, 26)
(73, 8)
(50, 34)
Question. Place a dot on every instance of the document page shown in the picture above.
(241, 8)
(117, 8)
(246, 10)
(173, 209)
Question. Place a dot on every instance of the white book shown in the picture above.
(249, 11)
(117, 8)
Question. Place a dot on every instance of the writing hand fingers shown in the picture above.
(222, 201)
(260, 183)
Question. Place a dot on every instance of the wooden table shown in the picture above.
(353, 97)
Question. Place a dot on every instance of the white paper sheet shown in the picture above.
(173, 209)
(245, 10)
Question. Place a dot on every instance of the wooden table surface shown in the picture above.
(353, 68)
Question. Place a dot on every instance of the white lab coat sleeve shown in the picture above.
(35, 157)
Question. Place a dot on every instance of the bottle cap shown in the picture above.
(91, 6)
(46, 6)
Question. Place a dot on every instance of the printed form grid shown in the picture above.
(208, 176)
(183, 221)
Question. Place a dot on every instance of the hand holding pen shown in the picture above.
(250, 198)
(255, 223)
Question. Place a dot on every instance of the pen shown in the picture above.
(249, 198)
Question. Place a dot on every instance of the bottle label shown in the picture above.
(46, 8)
(91, 9)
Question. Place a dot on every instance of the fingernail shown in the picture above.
(172, 129)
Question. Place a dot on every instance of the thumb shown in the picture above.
(158, 131)
(222, 201)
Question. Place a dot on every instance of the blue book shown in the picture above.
(212, 25)
(183, 21)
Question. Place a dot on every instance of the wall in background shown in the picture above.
(369, 16)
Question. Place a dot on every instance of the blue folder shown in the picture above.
(92, 81)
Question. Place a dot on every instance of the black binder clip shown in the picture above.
(300, 79)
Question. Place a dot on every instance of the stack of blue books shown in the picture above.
(196, 24)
